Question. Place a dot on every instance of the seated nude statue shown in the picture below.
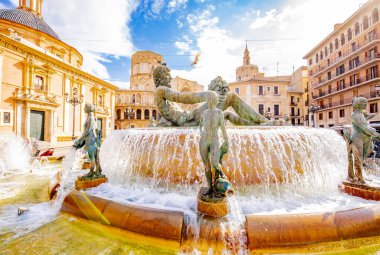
(171, 113)
(359, 140)
(211, 120)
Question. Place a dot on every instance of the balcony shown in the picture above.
(360, 64)
(345, 54)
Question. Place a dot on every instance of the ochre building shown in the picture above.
(345, 64)
(135, 106)
(37, 70)
(275, 97)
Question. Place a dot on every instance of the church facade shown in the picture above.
(39, 74)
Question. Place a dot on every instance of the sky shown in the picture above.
(278, 33)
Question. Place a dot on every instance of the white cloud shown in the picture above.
(263, 21)
(157, 5)
(175, 5)
(121, 84)
(304, 22)
(95, 27)
(216, 47)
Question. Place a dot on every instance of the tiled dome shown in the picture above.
(28, 19)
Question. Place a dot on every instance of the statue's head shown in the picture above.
(359, 103)
(220, 86)
(88, 107)
(212, 99)
(161, 76)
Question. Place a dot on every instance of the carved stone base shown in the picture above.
(86, 165)
(212, 206)
(79, 184)
(361, 190)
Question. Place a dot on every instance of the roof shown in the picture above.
(28, 19)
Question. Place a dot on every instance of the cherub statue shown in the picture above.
(90, 141)
(359, 139)
(211, 120)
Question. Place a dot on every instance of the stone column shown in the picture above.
(26, 120)
(66, 107)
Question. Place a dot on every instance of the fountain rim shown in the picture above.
(312, 228)
(228, 127)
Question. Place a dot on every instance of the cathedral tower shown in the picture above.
(33, 6)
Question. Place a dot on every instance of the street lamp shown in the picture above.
(74, 101)
(314, 109)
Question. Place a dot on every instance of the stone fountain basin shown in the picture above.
(263, 231)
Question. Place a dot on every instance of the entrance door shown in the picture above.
(37, 123)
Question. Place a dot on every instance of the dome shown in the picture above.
(27, 19)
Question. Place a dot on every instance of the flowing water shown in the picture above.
(289, 171)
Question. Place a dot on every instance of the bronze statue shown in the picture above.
(173, 115)
(359, 140)
(90, 141)
(211, 152)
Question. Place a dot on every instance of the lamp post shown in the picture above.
(74, 101)
(314, 109)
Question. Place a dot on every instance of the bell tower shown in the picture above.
(247, 58)
(33, 6)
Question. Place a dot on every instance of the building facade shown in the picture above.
(274, 97)
(38, 72)
(345, 64)
(135, 106)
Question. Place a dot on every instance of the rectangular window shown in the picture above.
(268, 89)
(276, 91)
(237, 90)
(330, 115)
(38, 82)
(341, 113)
(261, 90)
(6, 117)
(372, 73)
(355, 93)
(276, 109)
(341, 99)
(320, 116)
(310, 62)
(261, 109)
(373, 108)
(329, 75)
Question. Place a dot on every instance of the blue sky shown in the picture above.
(278, 31)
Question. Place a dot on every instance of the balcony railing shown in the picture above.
(360, 63)
(347, 53)
(357, 82)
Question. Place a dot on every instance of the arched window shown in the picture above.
(375, 16)
(336, 43)
(118, 114)
(365, 22)
(146, 114)
(154, 114)
(349, 34)
(331, 48)
(357, 28)
(133, 99)
(138, 114)
(342, 39)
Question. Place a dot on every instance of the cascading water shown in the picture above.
(14, 154)
(41, 213)
(298, 158)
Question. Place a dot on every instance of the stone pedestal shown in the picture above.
(212, 206)
(86, 165)
(361, 190)
(79, 184)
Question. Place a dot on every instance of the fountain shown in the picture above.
(276, 189)
(156, 173)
